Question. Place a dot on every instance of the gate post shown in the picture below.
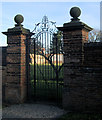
(75, 34)
(17, 59)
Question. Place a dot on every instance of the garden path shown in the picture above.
(37, 110)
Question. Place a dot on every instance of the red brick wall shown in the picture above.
(16, 83)
(93, 55)
(73, 97)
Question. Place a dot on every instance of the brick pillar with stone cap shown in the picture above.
(17, 57)
(75, 34)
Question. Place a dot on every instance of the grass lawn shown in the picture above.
(44, 72)
(46, 84)
(80, 116)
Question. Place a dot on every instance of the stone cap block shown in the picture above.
(17, 30)
(75, 25)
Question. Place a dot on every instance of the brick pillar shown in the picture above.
(17, 56)
(75, 34)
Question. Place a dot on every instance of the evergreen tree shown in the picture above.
(56, 45)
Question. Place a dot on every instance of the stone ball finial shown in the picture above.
(75, 13)
(19, 19)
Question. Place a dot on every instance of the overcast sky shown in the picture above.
(56, 11)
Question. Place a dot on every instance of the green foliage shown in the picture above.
(56, 45)
(45, 72)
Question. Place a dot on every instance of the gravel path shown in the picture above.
(32, 111)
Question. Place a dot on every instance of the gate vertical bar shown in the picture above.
(45, 33)
(28, 42)
(56, 64)
(34, 70)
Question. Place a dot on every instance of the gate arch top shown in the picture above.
(45, 26)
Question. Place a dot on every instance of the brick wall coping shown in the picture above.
(92, 70)
(93, 44)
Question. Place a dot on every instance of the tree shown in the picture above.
(37, 44)
(94, 36)
(56, 46)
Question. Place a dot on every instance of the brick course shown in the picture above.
(16, 83)
(82, 69)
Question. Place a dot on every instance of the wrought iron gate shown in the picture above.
(46, 53)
